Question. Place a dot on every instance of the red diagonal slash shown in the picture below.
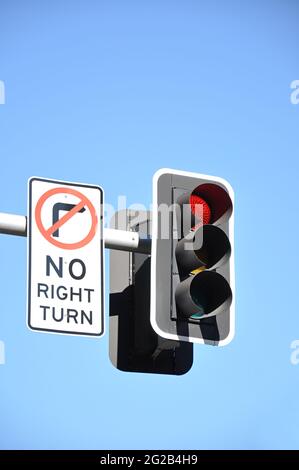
(47, 233)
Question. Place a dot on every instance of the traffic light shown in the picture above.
(192, 267)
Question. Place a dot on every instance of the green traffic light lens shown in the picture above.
(200, 305)
(197, 316)
(208, 290)
(203, 294)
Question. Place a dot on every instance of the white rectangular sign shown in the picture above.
(65, 257)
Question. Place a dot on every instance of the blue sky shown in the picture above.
(107, 92)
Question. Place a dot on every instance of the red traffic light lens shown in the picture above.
(200, 209)
(217, 204)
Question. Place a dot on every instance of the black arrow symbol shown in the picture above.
(62, 206)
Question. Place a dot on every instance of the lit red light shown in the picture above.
(200, 209)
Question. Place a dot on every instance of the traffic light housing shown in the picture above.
(133, 344)
(192, 266)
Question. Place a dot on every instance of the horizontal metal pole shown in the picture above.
(126, 241)
(12, 224)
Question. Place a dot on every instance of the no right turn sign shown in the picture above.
(65, 257)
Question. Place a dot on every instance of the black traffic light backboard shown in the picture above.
(133, 344)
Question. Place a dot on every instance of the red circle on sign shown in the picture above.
(84, 201)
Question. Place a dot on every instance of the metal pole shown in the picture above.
(12, 224)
